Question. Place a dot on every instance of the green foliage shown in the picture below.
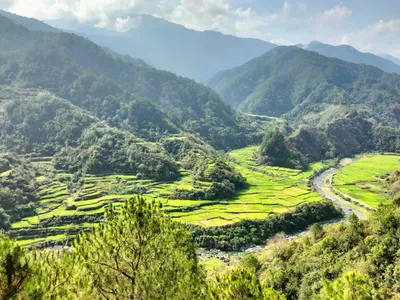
(225, 182)
(18, 188)
(386, 138)
(140, 253)
(247, 232)
(317, 231)
(15, 269)
(39, 122)
(349, 286)
(250, 261)
(353, 260)
(276, 151)
(105, 150)
(241, 284)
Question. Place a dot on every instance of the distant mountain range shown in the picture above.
(391, 58)
(350, 54)
(190, 53)
(172, 47)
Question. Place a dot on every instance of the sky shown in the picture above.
(368, 25)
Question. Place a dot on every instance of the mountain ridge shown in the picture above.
(351, 54)
(173, 47)
(286, 78)
(82, 72)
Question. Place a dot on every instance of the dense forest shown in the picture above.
(18, 192)
(89, 77)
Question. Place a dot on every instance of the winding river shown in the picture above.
(322, 186)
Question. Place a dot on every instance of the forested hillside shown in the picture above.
(304, 86)
(86, 112)
(86, 75)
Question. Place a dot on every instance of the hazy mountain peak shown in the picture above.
(315, 43)
(393, 59)
(30, 23)
(173, 47)
(351, 54)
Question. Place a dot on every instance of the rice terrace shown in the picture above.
(271, 190)
(364, 180)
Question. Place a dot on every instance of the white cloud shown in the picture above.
(335, 15)
(281, 41)
(286, 9)
(125, 24)
(219, 15)
(395, 52)
(222, 16)
(101, 13)
(381, 37)
(387, 28)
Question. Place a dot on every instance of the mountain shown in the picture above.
(30, 23)
(391, 58)
(350, 54)
(129, 95)
(305, 86)
(172, 47)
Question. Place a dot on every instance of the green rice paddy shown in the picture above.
(364, 180)
(271, 190)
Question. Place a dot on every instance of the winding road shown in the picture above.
(322, 186)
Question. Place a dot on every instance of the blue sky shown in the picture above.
(369, 25)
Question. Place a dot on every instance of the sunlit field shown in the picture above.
(62, 213)
(364, 179)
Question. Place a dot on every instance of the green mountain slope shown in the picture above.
(301, 84)
(85, 74)
(34, 121)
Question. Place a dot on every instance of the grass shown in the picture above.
(364, 180)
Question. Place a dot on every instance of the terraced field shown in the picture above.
(63, 212)
(364, 180)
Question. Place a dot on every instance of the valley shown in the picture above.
(269, 172)
(62, 212)
(271, 190)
